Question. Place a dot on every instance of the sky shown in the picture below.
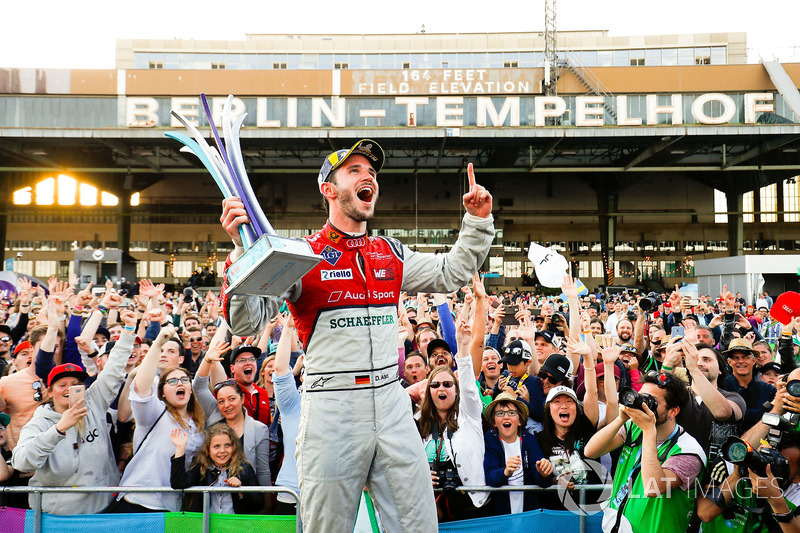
(83, 33)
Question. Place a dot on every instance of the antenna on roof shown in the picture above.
(423, 29)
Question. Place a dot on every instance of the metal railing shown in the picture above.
(37, 492)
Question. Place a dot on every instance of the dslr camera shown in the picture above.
(742, 454)
(650, 302)
(630, 398)
(447, 474)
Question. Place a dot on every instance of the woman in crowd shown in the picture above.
(67, 443)
(159, 405)
(567, 427)
(227, 405)
(449, 422)
(220, 462)
(513, 456)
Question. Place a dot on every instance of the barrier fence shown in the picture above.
(39, 522)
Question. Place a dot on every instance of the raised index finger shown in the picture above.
(471, 176)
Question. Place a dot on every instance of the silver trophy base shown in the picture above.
(271, 266)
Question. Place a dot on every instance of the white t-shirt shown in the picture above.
(517, 478)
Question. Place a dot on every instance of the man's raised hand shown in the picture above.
(233, 215)
(477, 201)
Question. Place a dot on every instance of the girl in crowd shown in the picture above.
(220, 462)
(67, 443)
(449, 421)
(159, 405)
(568, 425)
(227, 405)
(513, 456)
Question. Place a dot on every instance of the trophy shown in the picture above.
(270, 264)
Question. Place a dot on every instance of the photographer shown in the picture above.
(658, 464)
(746, 501)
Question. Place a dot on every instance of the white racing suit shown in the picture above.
(356, 426)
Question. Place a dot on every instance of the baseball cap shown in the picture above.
(366, 147)
(437, 343)
(255, 350)
(786, 307)
(600, 370)
(66, 370)
(558, 366)
(104, 332)
(5, 420)
(107, 347)
(24, 345)
(515, 352)
(5, 329)
(550, 337)
(772, 365)
(558, 391)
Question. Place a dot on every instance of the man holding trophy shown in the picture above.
(357, 428)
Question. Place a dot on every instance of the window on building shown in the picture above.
(791, 200)
(625, 246)
(182, 269)
(217, 65)
(578, 246)
(512, 246)
(46, 246)
(560, 246)
(406, 64)
(155, 64)
(158, 269)
(23, 267)
(647, 246)
(279, 66)
(747, 206)
(694, 246)
(341, 66)
(669, 246)
(512, 269)
(496, 264)
(636, 58)
(583, 269)
(717, 246)
(597, 269)
(183, 246)
(45, 269)
(720, 207)
(138, 246)
(769, 203)
(624, 269)
(510, 64)
(159, 247)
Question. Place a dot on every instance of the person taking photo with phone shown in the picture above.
(66, 443)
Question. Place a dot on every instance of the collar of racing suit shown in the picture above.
(331, 233)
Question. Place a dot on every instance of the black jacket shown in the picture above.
(243, 503)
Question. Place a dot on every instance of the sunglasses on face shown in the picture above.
(195, 339)
(445, 384)
(549, 377)
(5, 338)
(174, 381)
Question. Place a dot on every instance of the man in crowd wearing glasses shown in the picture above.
(243, 371)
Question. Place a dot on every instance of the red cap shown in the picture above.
(25, 345)
(66, 370)
(601, 371)
(787, 306)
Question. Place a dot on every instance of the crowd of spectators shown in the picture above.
(641, 393)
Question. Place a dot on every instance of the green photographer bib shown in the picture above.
(666, 513)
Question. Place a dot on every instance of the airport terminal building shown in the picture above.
(632, 156)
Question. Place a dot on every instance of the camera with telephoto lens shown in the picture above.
(793, 388)
(630, 398)
(742, 454)
(650, 302)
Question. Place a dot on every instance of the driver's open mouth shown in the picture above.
(365, 194)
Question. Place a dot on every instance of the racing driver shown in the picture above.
(356, 426)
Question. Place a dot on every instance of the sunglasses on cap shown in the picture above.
(549, 377)
(446, 384)
(37, 386)
(226, 383)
